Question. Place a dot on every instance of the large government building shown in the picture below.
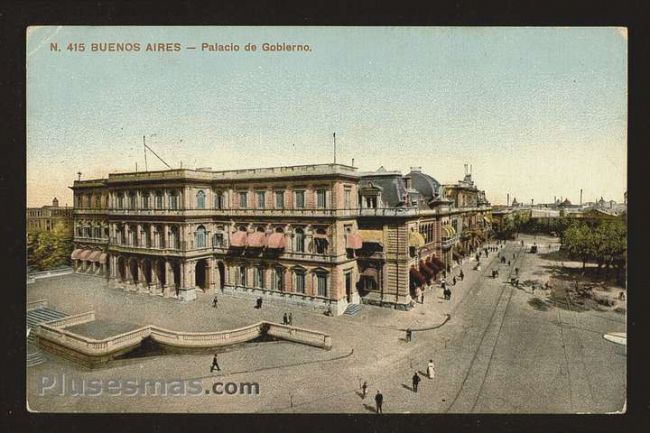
(321, 236)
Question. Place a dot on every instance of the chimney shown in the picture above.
(580, 196)
(508, 200)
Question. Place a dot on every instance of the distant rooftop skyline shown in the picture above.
(538, 112)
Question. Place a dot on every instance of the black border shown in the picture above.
(16, 16)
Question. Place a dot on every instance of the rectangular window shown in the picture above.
(321, 280)
(300, 199)
(320, 198)
(300, 282)
(173, 201)
(347, 194)
(145, 201)
(217, 240)
(259, 277)
(261, 196)
(278, 279)
(279, 199)
(243, 200)
(242, 275)
(159, 201)
(218, 201)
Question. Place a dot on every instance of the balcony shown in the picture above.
(248, 212)
(90, 211)
(90, 240)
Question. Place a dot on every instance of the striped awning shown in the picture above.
(353, 241)
(84, 255)
(94, 256)
(425, 269)
(376, 236)
(276, 241)
(417, 276)
(75, 254)
(238, 239)
(370, 272)
(449, 231)
(256, 240)
(416, 239)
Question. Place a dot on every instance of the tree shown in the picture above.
(49, 249)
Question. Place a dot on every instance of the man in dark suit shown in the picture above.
(416, 380)
(215, 364)
(379, 400)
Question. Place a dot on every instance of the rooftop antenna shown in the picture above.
(144, 149)
(334, 135)
(155, 154)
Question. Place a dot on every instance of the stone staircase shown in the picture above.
(352, 309)
(34, 318)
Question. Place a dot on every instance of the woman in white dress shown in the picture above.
(430, 370)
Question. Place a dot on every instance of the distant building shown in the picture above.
(46, 218)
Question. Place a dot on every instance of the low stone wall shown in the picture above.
(275, 297)
(40, 303)
(91, 352)
(32, 277)
(75, 319)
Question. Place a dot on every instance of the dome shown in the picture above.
(426, 185)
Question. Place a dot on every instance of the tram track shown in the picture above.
(505, 286)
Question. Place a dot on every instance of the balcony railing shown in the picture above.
(90, 239)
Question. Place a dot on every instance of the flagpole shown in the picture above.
(334, 135)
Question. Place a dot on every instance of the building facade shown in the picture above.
(46, 218)
(322, 236)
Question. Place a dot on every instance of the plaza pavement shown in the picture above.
(496, 354)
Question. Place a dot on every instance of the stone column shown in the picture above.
(168, 290)
(212, 266)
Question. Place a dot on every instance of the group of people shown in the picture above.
(287, 319)
(415, 381)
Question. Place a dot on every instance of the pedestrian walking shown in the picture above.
(214, 302)
(508, 262)
(454, 280)
(215, 364)
(408, 335)
(285, 319)
(462, 275)
(379, 400)
(430, 369)
(517, 271)
(258, 303)
(364, 389)
(422, 298)
(416, 379)
(290, 319)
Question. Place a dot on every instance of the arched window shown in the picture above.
(320, 242)
(217, 240)
(300, 240)
(120, 200)
(200, 237)
(200, 200)
(174, 242)
(241, 276)
(145, 200)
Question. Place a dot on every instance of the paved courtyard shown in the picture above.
(504, 350)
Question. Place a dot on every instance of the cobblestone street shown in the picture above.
(497, 353)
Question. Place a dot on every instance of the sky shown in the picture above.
(538, 112)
